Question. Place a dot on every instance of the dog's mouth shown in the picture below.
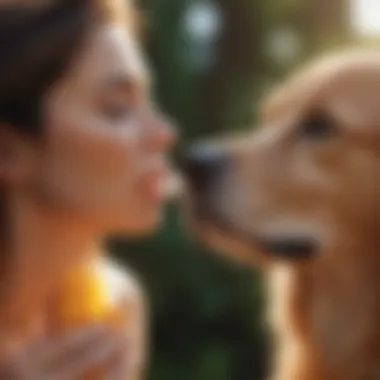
(291, 247)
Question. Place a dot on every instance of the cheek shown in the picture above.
(290, 184)
(315, 171)
(90, 168)
(360, 187)
(336, 183)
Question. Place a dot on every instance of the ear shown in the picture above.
(16, 157)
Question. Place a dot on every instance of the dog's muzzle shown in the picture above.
(202, 166)
(205, 168)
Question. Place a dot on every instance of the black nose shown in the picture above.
(202, 165)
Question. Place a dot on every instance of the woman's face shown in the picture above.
(104, 149)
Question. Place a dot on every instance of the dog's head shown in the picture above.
(307, 180)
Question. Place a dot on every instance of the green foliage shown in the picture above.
(177, 86)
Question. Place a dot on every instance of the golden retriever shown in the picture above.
(300, 198)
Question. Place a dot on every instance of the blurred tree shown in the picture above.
(324, 22)
(228, 90)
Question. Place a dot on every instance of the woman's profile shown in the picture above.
(81, 156)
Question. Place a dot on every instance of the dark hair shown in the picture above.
(37, 44)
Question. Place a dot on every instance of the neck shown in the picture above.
(38, 251)
(330, 313)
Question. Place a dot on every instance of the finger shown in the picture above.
(120, 369)
(52, 349)
(94, 356)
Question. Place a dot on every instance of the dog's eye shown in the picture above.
(318, 127)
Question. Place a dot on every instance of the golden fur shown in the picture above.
(325, 310)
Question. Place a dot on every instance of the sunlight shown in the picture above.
(365, 17)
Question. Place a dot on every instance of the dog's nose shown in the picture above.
(202, 165)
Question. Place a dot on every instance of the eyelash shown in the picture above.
(118, 112)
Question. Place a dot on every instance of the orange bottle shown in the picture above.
(90, 294)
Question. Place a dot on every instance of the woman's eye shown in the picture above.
(118, 112)
(318, 127)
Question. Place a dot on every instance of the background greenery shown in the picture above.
(207, 314)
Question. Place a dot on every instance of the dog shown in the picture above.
(299, 197)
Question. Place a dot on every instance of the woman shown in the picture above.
(81, 156)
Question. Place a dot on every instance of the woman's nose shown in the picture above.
(162, 133)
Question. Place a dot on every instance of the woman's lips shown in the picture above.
(153, 183)
(154, 187)
(161, 185)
